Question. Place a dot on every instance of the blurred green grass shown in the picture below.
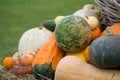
(17, 16)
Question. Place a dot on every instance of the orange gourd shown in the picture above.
(48, 53)
(95, 33)
(8, 62)
(86, 54)
(110, 30)
(47, 58)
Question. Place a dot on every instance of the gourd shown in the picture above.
(19, 70)
(23, 59)
(47, 58)
(49, 24)
(79, 55)
(112, 30)
(104, 52)
(92, 21)
(92, 7)
(73, 68)
(8, 62)
(72, 34)
(83, 13)
(33, 39)
(58, 18)
(86, 54)
(95, 33)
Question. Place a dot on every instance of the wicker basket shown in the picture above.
(110, 10)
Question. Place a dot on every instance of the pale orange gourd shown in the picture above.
(49, 53)
(8, 62)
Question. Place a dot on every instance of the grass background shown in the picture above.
(17, 16)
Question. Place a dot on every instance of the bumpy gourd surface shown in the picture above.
(73, 33)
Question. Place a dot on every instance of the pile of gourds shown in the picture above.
(39, 52)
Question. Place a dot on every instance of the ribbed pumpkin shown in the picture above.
(47, 58)
(111, 30)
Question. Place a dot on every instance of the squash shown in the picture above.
(95, 33)
(23, 59)
(8, 62)
(86, 54)
(49, 24)
(112, 30)
(79, 55)
(47, 58)
(92, 7)
(92, 21)
(73, 68)
(104, 52)
(58, 18)
(73, 34)
(19, 70)
(33, 39)
(83, 13)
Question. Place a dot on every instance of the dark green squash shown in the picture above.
(104, 52)
(49, 24)
(43, 72)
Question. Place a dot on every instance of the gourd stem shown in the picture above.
(87, 17)
(40, 27)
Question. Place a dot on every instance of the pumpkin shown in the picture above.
(47, 58)
(19, 70)
(23, 59)
(73, 68)
(114, 29)
(79, 55)
(95, 33)
(49, 24)
(58, 18)
(104, 52)
(86, 54)
(73, 34)
(92, 21)
(33, 39)
(8, 62)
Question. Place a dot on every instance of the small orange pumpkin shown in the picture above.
(86, 54)
(95, 33)
(8, 62)
(110, 30)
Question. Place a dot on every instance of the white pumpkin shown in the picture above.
(33, 39)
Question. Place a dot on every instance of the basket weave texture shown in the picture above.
(110, 10)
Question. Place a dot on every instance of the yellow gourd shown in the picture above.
(79, 55)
